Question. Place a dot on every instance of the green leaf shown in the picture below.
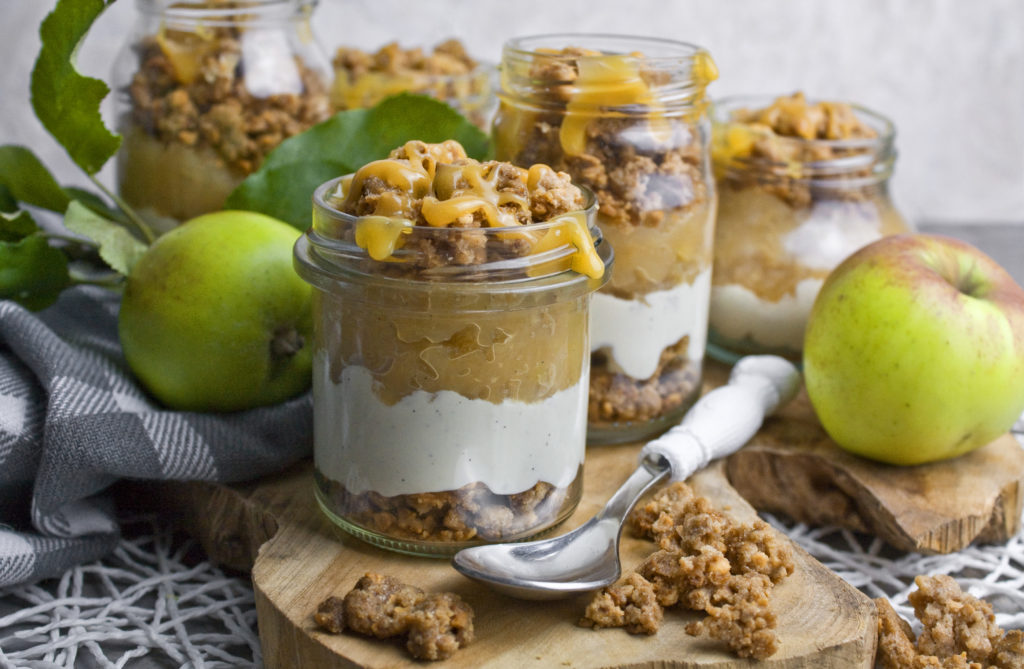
(96, 203)
(32, 273)
(118, 248)
(28, 180)
(66, 102)
(8, 203)
(16, 225)
(284, 184)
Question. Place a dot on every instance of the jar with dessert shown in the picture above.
(205, 89)
(801, 185)
(446, 72)
(451, 319)
(626, 117)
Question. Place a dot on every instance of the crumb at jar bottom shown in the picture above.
(440, 524)
(625, 409)
(171, 182)
(646, 360)
(460, 471)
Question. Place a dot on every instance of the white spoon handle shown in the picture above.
(727, 417)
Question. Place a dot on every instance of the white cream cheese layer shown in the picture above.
(635, 332)
(737, 313)
(431, 442)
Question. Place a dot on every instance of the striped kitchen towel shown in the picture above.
(73, 421)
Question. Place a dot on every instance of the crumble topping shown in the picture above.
(421, 189)
(638, 167)
(447, 73)
(191, 88)
(448, 57)
(706, 562)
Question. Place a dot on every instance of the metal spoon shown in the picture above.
(587, 558)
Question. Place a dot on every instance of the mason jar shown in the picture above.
(205, 89)
(626, 117)
(446, 72)
(801, 185)
(449, 398)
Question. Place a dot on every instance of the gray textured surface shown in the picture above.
(947, 71)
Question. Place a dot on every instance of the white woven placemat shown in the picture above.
(149, 600)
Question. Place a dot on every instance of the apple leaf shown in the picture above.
(117, 247)
(283, 186)
(32, 273)
(96, 203)
(8, 203)
(16, 225)
(66, 102)
(27, 180)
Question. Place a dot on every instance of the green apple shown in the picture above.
(914, 350)
(214, 316)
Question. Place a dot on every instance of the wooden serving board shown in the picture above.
(792, 466)
(300, 558)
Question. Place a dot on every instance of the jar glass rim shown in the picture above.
(211, 14)
(665, 49)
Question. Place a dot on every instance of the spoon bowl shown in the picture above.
(582, 560)
(587, 558)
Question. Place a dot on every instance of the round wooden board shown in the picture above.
(823, 621)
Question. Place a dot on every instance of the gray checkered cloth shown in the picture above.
(73, 421)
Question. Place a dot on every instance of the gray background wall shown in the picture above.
(949, 73)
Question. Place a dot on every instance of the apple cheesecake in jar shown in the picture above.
(801, 185)
(446, 72)
(626, 117)
(205, 89)
(451, 319)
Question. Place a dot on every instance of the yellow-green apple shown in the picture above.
(914, 350)
(214, 316)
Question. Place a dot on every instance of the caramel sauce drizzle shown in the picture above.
(445, 193)
(606, 81)
(614, 80)
(185, 51)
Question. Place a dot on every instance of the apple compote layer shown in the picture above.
(609, 119)
(447, 72)
(203, 108)
(450, 374)
(801, 186)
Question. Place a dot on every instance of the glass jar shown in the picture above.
(449, 401)
(204, 90)
(626, 117)
(447, 73)
(801, 185)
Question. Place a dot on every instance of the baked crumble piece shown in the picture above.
(958, 630)
(706, 562)
(434, 625)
